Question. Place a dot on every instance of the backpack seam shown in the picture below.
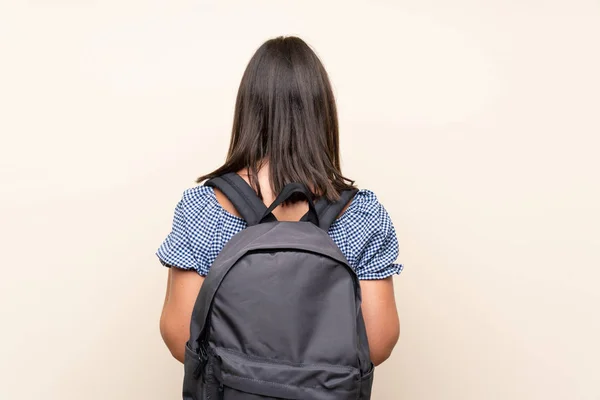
(282, 384)
(262, 360)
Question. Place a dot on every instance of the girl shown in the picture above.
(285, 130)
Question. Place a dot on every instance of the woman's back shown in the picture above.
(285, 130)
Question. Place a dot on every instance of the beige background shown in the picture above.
(476, 122)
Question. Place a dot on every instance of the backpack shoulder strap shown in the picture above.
(241, 195)
(329, 211)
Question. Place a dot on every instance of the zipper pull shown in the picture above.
(202, 360)
(198, 371)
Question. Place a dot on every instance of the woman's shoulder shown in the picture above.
(200, 205)
(201, 227)
(366, 235)
(198, 197)
(200, 200)
(365, 203)
(364, 218)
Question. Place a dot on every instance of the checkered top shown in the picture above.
(201, 227)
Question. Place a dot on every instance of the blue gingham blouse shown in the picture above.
(201, 227)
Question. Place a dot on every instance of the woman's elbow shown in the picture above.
(173, 338)
(379, 356)
(382, 349)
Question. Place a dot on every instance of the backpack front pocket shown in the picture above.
(229, 393)
(366, 384)
(192, 383)
(247, 377)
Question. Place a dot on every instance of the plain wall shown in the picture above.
(476, 122)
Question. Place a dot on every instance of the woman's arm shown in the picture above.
(381, 317)
(182, 289)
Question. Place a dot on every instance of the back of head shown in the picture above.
(286, 117)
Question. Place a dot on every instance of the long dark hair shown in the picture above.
(285, 114)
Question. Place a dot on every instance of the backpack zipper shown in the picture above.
(202, 360)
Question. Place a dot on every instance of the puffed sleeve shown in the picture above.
(366, 234)
(176, 250)
(201, 227)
